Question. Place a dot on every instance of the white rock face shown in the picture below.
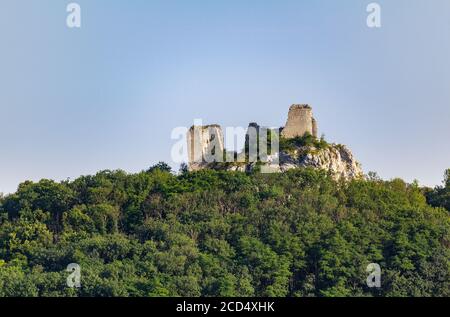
(337, 159)
(239, 168)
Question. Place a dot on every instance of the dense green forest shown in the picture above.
(218, 233)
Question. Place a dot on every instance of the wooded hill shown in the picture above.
(218, 233)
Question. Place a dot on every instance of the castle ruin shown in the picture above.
(300, 121)
(262, 148)
(206, 143)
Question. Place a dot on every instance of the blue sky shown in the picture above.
(107, 96)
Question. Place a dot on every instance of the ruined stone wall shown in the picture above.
(251, 141)
(300, 121)
(314, 128)
(205, 145)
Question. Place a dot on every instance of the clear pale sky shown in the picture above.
(107, 96)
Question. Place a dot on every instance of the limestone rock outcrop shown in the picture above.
(336, 158)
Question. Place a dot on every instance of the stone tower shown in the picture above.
(205, 145)
(300, 121)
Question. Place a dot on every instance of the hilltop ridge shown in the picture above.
(296, 145)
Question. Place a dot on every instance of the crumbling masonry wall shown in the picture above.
(205, 145)
(300, 121)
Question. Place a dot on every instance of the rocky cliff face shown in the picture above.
(335, 158)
